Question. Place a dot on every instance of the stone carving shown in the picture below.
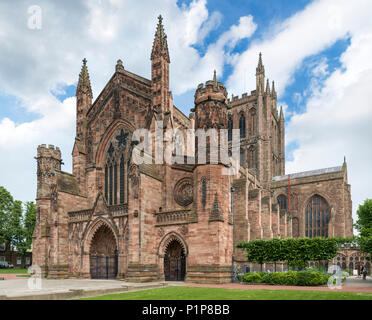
(184, 230)
(161, 232)
(184, 192)
(122, 138)
(134, 178)
(89, 145)
(54, 196)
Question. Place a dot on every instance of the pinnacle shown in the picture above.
(273, 90)
(160, 45)
(281, 113)
(268, 86)
(84, 81)
(260, 68)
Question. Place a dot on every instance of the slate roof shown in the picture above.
(308, 173)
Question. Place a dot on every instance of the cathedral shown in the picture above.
(114, 218)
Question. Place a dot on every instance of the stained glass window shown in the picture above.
(230, 126)
(242, 126)
(316, 217)
(122, 179)
(282, 201)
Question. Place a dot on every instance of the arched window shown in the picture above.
(316, 217)
(242, 158)
(252, 122)
(204, 191)
(115, 169)
(282, 201)
(242, 126)
(251, 157)
(230, 126)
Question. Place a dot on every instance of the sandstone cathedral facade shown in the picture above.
(113, 218)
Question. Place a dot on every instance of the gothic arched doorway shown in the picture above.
(103, 254)
(174, 262)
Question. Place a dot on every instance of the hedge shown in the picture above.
(289, 278)
(295, 252)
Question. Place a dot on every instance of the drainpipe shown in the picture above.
(232, 216)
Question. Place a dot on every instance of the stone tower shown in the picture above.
(160, 70)
(210, 239)
(48, 242)
(270, 129)
(83, 103)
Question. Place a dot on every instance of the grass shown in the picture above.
(3, 271)
(188, 293)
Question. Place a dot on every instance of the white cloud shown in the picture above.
(34, 63)
(336, 121)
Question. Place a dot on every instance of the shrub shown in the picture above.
(252, 277)
(289, 278)
(311, 278)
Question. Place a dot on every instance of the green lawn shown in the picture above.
(188, 293)
(2, 271)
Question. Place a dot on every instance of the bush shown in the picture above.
(289, 278)
(252, 277)
(311, 278)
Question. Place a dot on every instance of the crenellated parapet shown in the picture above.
(48, 161)
(212, 90)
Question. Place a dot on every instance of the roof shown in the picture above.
(308, 173)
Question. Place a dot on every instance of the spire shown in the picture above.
(215, 77)
(84, 81)
(119, 65)
(281, 117)
(160, 45)
(260, 68)
(273, 92)
(268, 87)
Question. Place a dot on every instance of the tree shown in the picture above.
(6, 208)
(16, 225)
(364, 226)
(29, 222)
(297, 253)
(256, 251)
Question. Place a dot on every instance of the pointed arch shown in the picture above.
(167, 239)
(107, 137)
(242, 125)
(317, 217)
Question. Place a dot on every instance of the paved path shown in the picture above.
(12, 276)
(354, 281)
(75, 288)
(68, 288)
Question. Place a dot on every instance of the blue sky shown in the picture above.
(318, 52)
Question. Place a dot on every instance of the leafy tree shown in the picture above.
(29, 222)
(364, 226)
(275, 251)
(16, 226)
(297, 253)
(6, 208)
(256, 251)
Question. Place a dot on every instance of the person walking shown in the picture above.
(364, 272)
